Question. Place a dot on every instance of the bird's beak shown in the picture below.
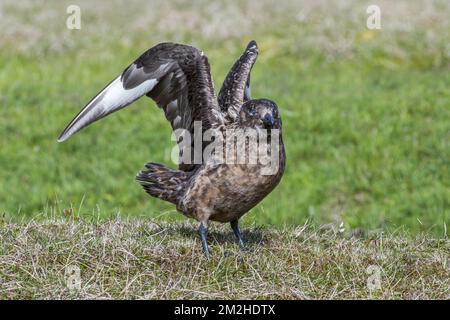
(268, 121)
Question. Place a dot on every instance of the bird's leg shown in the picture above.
(235, 226)
(202, 230)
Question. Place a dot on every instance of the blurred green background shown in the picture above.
(366, 112)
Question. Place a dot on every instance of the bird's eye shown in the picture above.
(252, 112)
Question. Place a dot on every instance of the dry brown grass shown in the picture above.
(159, 260)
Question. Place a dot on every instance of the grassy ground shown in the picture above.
(155, 259)
(365, 112)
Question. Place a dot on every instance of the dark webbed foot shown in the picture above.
(235, 226)
(202, 230)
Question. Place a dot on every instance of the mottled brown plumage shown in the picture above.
(177, 77)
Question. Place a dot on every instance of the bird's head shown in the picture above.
(260, 113)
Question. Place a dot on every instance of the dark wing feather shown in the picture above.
(236, 86)
(177, 77)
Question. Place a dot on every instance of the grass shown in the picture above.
(365, 112)
(154, 259)
(366, 127)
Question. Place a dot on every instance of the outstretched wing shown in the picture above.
(236, 86)
(177, 77)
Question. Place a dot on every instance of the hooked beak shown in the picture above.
(268, 121)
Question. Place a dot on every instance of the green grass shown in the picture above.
(153, 259)
(365, 113)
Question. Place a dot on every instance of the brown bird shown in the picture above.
(177, 77)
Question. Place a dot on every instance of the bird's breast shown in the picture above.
(227, 191)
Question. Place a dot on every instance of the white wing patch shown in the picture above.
(110, 99)
(117, 97)
(247, 93)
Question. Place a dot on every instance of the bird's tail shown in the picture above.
(161, 182)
